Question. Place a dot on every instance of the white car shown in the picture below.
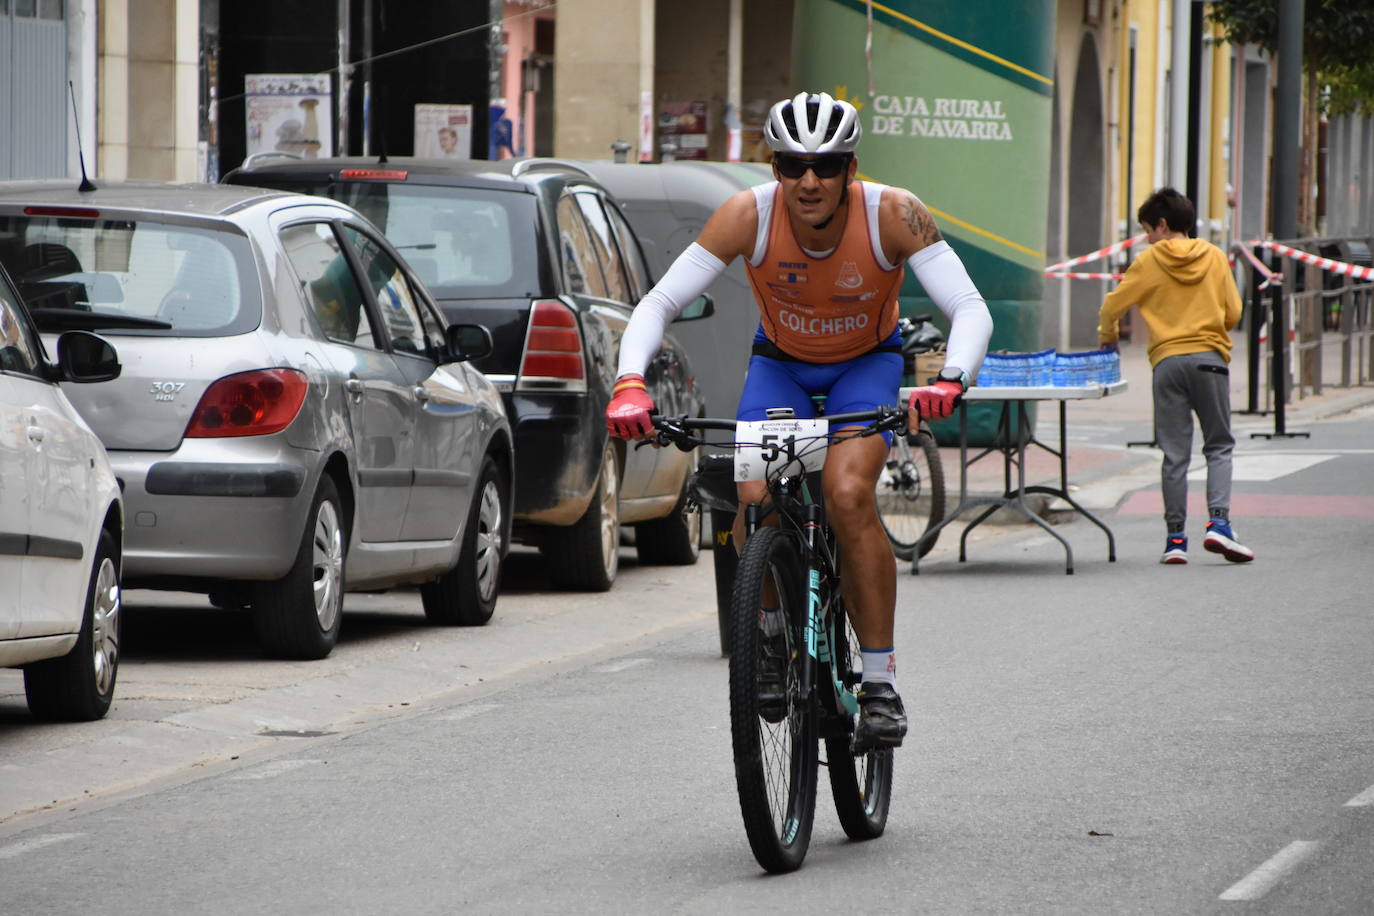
(61, 523)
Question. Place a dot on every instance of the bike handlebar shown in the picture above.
(674, 430)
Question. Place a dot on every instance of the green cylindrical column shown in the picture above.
(959, 113)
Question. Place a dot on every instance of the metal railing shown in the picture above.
(1331, 324)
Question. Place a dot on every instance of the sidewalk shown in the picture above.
(1103, 468)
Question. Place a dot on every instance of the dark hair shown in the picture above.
(1172, 207)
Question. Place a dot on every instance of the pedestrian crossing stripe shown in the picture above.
(1261, 466)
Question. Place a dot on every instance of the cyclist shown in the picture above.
(824, 254)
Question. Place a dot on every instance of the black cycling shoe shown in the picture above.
(882, 720)
(771, 687)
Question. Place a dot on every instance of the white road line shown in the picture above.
(18, 849)
(1363, 800)
(622, 665)
(1262, 880)
(467, 712)
(273, 768)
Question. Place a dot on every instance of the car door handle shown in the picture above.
(354, 386)
(421, 393)
(35, 434)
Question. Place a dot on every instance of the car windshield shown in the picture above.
(199, 280)
(463, 243)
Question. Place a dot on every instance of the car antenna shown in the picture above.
(86, 184)
(381, 140)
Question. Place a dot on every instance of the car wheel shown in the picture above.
(675, 539)
(80, 685)
(298, 616)
(466, 594)
(586, 555)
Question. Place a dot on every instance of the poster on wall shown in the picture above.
(443, 131)
(684, 125)
(289, 113)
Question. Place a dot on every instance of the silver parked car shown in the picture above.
(295, 416)
(61, 523)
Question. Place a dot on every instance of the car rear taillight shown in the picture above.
(373, 175)
(553, 350)
(249, 404)
(65, 212)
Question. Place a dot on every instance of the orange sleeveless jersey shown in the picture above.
(828, 309)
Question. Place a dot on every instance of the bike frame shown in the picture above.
(806, 521)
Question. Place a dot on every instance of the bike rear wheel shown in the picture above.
(776, 761)
(861, 785)
(911, 492)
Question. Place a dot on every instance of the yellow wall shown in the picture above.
(1144, 15)
(1151, 158)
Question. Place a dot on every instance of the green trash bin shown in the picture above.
(1015, 327)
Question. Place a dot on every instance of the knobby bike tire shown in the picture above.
(862, 785)
(776, 764)
(911, 493)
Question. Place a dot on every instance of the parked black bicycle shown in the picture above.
(776, 728)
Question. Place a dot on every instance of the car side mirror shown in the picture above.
(467, 341)
(86, 357)
(702, 306)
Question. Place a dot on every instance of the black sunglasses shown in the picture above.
(790, 166)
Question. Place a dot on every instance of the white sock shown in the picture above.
(770, 620)
(880, 665)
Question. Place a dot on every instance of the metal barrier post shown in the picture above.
(1278, 349)
(1252, 370)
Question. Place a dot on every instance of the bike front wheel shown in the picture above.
(775, 739)
(860, 784)
(911, 492)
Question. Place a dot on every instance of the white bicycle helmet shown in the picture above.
(812, 123)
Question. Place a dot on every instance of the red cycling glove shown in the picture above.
(627, 416)
(935, 402)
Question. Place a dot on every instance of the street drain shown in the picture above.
(294, 733)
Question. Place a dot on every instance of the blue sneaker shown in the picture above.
(1221, 539)
(1175, 549)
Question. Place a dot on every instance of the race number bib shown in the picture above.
(768, 448)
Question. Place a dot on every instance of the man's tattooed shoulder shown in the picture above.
(919, 220)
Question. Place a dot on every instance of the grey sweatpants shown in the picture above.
(1183, 385)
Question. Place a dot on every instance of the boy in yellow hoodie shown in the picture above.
(1188, 299)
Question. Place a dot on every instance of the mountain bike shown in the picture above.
(796, 564)
(911, 488)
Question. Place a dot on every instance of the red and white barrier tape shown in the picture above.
(1070, 275)
(1099, 253)
(1269, 276)
(1340, 267)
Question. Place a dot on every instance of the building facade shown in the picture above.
(1121, 97)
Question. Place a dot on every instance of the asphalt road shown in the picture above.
(1131, 739)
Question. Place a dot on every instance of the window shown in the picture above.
(462, 243)
(202, 281)
(328, 282)
(402, 317)
(630, 253)
(581, 269)
(18, 352)
(606, 250)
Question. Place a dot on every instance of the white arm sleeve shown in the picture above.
(686, 279)
(947, 283)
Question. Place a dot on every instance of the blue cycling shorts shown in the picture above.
(857, 384)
